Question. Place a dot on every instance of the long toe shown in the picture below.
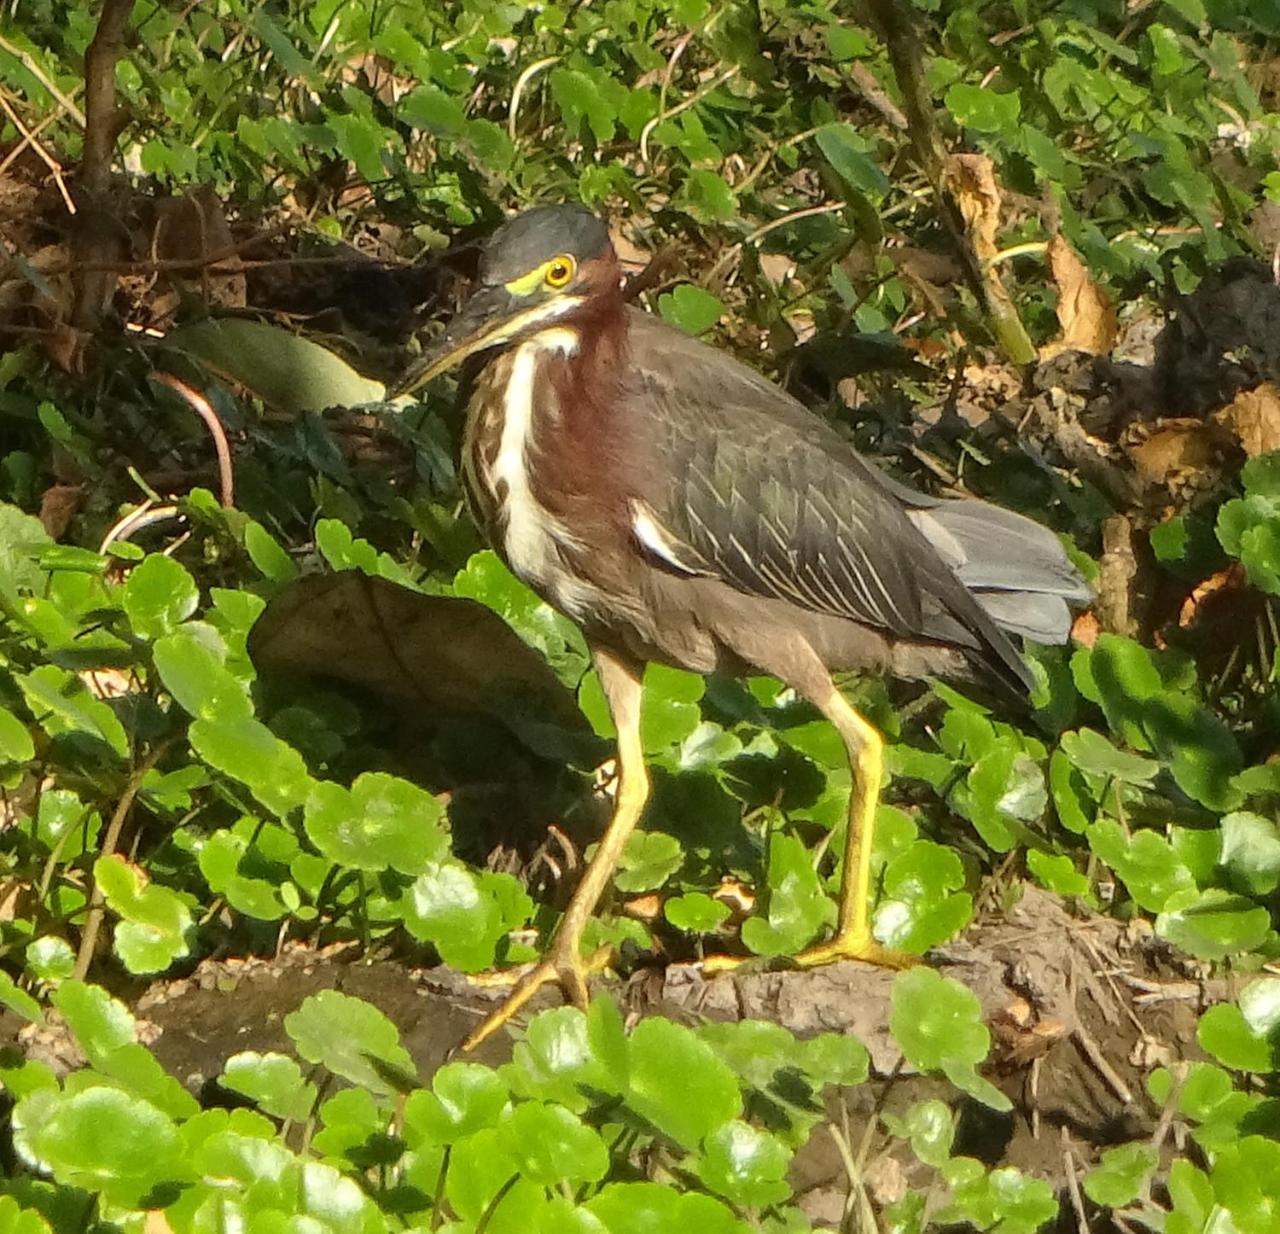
(855, 946)
(562, 965)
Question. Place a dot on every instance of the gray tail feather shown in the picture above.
(1016, 569)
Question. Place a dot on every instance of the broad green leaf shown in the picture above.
(155, 925)
(462, 913)
(938, 1024)
(922, 903)
(552, 1146)
(380, 823)
(930, 1128)
(1251, 853)
(158, 595)
(64, 707)
(650, 858)
(845, 151)
(983, 109)
(1213, 924)
(1119, 1178)
(273, 1082)
(696, 912)
(102, 1139)
(284, 370)
(191, 663)
(565, 1052)
(50, 958)
(796, 909)
(678, 1084)
(691, 308)
(352, 1039)
(1245, 1036)
(1093, 754)
(464, 1098)
(99, 1022)
(745, 1165)
(248, 751)
(16, 745)
(18, 1001)
(650, 1208)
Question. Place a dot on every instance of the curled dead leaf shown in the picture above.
(59, 504)
(1085, 312)
(422, 654)
(1254, 417)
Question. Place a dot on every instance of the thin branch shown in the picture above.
(33, 67)
(29, 139)
(202, 407)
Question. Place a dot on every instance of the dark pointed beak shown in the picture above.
(487, 318)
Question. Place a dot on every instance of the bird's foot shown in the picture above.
(849, 945)
(855, 945)
(563, 965)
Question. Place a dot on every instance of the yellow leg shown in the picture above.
(563, 961)
(852, 939)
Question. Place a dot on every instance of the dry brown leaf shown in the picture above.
(1085, 312)
(59, 504)
(777, 267)
(1177, 447)
(422, 654)
(645, 907)
(1085, 629)
(971, 180)
(1254, 417)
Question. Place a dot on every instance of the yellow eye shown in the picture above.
(560, 271)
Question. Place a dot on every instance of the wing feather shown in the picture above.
(755, 490)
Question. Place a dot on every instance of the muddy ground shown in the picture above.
(1081, 1008)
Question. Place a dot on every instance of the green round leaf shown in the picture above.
(1213, 924)
(678, 1083)
(158, 594)
(1121, 1175)
(464, 1098)
(16, 745)
(102, 1139)
(696, 912)
(552, 1146)
(274, 1082)
(381, 823)
(745, 1165)
(352, 1039)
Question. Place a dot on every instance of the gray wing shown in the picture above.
(757, 491)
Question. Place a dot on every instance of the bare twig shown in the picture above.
(144, 516)
(33, 67)
(1073, 1184)
(201, 406)
(110, 842)
(695, 98)
(875, 94)
(29, 139)
(1089, 1048)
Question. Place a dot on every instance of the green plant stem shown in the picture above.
(110, 842)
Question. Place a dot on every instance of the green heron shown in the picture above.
(683, 509)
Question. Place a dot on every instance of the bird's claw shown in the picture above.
(851, 945)
(562, 965)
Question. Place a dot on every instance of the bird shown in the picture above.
(683, 509)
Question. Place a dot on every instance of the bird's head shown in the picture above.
(537, 271)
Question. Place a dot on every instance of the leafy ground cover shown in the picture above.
(282, 692)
